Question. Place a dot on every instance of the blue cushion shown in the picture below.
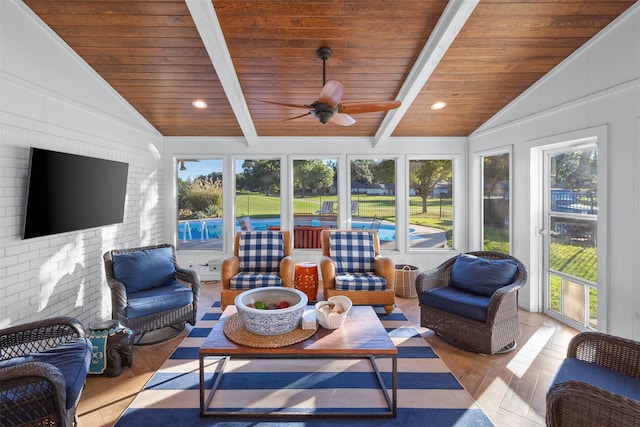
(254, 280)
(260, 251)
(157, 300)
(145, 269)
(480, 275)
(351, 251)
(599, 376)
(456, 301)
(71, 358)
(360, 282)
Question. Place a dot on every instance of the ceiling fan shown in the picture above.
(328, 107)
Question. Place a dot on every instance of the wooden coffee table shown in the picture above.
(362, 336)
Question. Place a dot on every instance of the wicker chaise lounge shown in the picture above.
(479, 314)
(598, 384)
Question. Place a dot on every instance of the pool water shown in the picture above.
(212, 228)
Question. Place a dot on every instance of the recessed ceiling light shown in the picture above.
(439, 105)
(198, 103)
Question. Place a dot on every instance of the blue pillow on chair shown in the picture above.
(352, 251)
(482, 276)
(146, 269)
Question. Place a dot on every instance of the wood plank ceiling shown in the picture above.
(475, 56)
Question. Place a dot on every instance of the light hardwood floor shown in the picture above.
(510, 388)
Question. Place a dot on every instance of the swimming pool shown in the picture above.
(211, 228)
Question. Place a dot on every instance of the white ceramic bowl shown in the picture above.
(271, 322)
(333, 320)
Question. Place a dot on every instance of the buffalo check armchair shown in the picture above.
(260, 259)
(352, 266)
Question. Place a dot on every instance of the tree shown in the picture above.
(385, 171)
(362, 171)
(261, 175)
(425, 174)
(496, 170)
(311, 175)
(575, 170)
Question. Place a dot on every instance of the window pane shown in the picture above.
(199, 204)
(315, 200)
(430, 204)
(572, 248)
(573, 301)
(573, 180)
(496, 203)
(257, 201)
(555, 293)
(373, 199)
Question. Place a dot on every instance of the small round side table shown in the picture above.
(306, 279)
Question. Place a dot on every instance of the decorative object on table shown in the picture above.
(351, 265)
(150, 291)
(306, 279)
(43, 367)
(406, 280)
(287, 306)
(112, 347)
(260, 259)
(598, 384)
(332, 313)
(235, 331)
(471, 301)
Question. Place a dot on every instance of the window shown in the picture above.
(373, 198)
(496, 203)
(315, 200)
(199, 204)
(257, 203)
(430, 203)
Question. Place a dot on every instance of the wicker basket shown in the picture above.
(406, 280)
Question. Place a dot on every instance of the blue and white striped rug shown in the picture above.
(428, 393)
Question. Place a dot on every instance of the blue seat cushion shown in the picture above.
(156, 300)
(253, 280)
(480, 275)
(599, 376)
(145, 269)
(360, 282)
(456, 301)
(71, 358)
(351, 251)
(260, 251)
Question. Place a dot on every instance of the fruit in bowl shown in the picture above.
(332, 313)
(272, 310)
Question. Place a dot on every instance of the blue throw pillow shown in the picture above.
(480, 275)
(146, 269)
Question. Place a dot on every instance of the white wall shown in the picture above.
(51, 99)
(596, 88)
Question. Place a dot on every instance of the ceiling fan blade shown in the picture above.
(283, 104)
(331, 93)
(297, 117)
(367, 107)
(342, 119)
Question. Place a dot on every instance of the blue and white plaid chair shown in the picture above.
(352, 266)
(260, 258)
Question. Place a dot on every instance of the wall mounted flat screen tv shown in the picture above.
(68, 192)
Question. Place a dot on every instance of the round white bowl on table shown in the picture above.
(275, 321)
(333, 320)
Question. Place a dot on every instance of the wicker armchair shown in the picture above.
(497, 333)
(169, 304)
(248, 268)
(373, 287)
(573, 398)
(43, 367)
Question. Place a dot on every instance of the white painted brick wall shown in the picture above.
(63, 274)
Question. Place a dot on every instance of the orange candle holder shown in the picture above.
(306, 279)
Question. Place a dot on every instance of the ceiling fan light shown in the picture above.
(198, 103)
(438, 105)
